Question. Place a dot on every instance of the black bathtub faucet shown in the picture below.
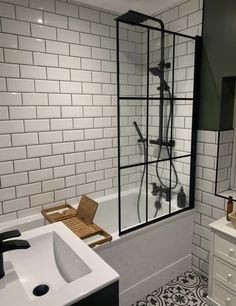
(10, 245)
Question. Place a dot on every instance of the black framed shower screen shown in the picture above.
(145, 99)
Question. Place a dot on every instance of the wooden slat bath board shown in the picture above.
(79, 220)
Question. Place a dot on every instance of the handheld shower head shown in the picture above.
(157, 72)
(138, 130)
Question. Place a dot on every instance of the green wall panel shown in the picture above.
(218, 61)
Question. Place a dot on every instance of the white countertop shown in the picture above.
(101, 275)
(223, 226)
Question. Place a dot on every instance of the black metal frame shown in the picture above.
(195, 100)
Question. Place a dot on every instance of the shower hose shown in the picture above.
(157, 170)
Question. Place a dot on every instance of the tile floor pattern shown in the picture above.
(188, 289)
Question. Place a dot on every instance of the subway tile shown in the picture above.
(55, 20)
(26, 164)
(20, 2)
(15, 205)
(39, 150)
(91, 64)
(61, 124)
(45, 5)
(18, 57)
(93, 133)
(7, 10)
(34, 99)
(104, 184)
(11, 180)
(107, 18)
(50, 137)
(91, 88)
(85, 188)
(28, 14)
(72, 111)
(59, 99)
(69, 62)
(100, 53)
(5, 141)
(42, 59)
(41, 31)
(52, 161)
(64, 171)
(6, 167)
(15, 27)
(48, 112)
(79, 50)
(73, 135)
(103, 143)
(36, 125)
(32, 44)
(66, 9)
(89, 14)
(100, 29)
(29, 189)
(52, 185)
(90, 40)
(83, 123)
(85, 145)
(59, 148)
(40, 175)
(92, 111)
(188, 7)
(94, 155)
(1, 55)
(58, 74)
(195, 18)
(81, 75)
(41, 199)
(57, 47)
(68, 36)
(13, 126)
(79, 25)
(24, 139)
(81, 99)
(22, 112)
(103, 164)
(65, 193)
(74, 158)
(4, 114)
(101, 77)
(75, 180)
(7, 193)
(101, 100)
(108, 43)
(85, 167)
(47, 86)
(12, 153)
(32, 72)
(70, 87)
(9, 70)
(20, 85)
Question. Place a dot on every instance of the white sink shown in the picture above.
(57, 258)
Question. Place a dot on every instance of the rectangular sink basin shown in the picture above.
(58, 260)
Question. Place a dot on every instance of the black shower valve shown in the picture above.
(155, 188)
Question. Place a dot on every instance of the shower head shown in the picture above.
(133, 17)
(157, 72)
(138, 130)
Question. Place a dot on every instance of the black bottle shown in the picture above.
(181, 198)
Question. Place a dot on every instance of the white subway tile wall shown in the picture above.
(58, 108)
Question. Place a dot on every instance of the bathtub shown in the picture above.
(146, 258)
(151, 256)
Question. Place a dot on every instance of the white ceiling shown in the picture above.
(122, 6)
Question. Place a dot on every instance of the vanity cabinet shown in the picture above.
(108, 296)
(222, 268)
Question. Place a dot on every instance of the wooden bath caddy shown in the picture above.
(79, 220)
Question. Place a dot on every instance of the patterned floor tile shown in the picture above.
(188, 289)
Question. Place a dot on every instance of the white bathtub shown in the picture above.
(146, 258)
(149, 257)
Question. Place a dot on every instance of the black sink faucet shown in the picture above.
(10, 245)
